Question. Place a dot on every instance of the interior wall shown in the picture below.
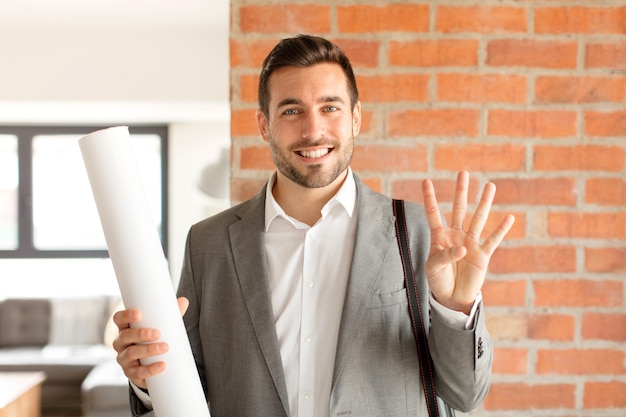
(94, 75)
(113, 64)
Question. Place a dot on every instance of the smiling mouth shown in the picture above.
(318, 153)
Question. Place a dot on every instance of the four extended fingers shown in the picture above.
(459, 210)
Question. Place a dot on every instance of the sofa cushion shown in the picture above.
(79, 321)
(105, 388)
(24, 322)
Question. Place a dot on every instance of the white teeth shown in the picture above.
(314, 154)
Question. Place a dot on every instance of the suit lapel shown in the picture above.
(373, 234)
(249, 254)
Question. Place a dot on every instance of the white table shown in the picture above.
(20, 394)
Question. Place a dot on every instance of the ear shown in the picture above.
(356, 119)
(263, 126)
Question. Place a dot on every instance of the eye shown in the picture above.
(331, 109)
(291, 112)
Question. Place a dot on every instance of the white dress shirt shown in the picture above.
(308, 272)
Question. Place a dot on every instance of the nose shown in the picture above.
(313, 126)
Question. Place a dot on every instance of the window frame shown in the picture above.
(25, 135)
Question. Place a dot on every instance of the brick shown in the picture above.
(520, 396)
(383, 18)
(580, 362)
(527, 259)
(480, 157)
(579, 158)
(373, 182)
(549, 89)
(498, 293)
(609, 123)
(577, 293)
(517, 231)
(242, 189)
(485, 19)
(481, 88)
(411, 189)
(604, 326)
(250, 53)
(362, 52)
(390, 88)
(587, 225)
(580, 20)
(434, 53)
(433, 122)
(243, 122)
(256, 157)
(407, 189)
(507, 326)
(605, 55)
(605, 260)
(554, 54)
(510, 361)
(547, 124)
(385, 158)
(248, 88)
(610, 394)
(536, 191)
(553, 327)
(279, 18)
(606, 191)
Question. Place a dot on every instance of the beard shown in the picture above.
(313, 175)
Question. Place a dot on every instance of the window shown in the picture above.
(8, 192)
(47, 208)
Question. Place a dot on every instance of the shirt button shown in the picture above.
(310, 284)
(306, 395)
(307, 339)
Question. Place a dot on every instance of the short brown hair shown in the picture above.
(303, 51)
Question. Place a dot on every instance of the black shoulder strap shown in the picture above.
(426, 365)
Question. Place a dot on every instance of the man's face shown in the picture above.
(310, 126)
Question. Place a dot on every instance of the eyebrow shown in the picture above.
(324, 99)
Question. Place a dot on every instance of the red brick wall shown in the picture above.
(528, 94)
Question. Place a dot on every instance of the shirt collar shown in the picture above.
(345, 196)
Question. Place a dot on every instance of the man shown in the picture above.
(296, 299)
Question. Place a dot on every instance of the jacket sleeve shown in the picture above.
(462, 360)
(137, 407)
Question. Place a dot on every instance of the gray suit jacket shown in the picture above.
(231, 325)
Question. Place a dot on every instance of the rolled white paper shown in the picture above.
(141, 269)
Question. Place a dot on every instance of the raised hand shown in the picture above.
(457, 261)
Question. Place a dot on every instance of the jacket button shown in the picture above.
(480, 349)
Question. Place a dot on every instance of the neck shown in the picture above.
(302, 203)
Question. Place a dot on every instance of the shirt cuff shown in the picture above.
(456, 319)
(143, 396)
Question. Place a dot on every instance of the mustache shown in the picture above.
(323, 142)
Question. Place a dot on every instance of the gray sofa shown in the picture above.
(65, 338)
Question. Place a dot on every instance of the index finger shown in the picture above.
(433, 215)
(124, 318)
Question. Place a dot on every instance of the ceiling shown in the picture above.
(213, 14)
